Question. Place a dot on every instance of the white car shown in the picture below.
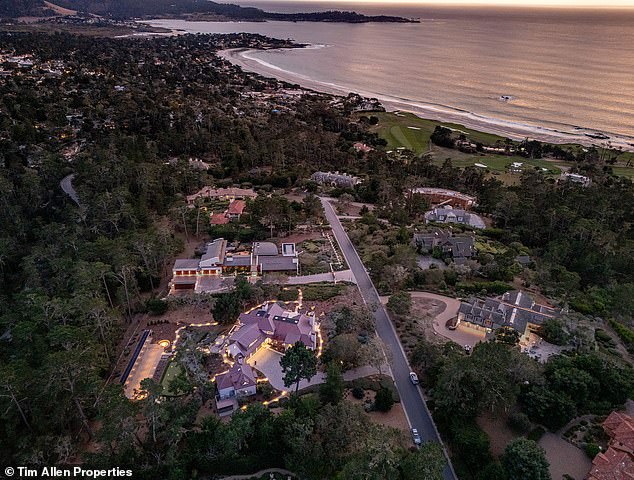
(416, 437)
(413, 377)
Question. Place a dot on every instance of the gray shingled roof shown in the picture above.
(277, 263)
(265, 248)
(186, 264)
(514, 309)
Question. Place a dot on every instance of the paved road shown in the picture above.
(415, 408)
(67, 186)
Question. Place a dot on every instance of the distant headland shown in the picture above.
(190, 9)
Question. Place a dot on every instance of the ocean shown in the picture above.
(551, 74)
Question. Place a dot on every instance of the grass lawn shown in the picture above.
(395, 129)
(623, 171)
(171, 372)
(497, 163)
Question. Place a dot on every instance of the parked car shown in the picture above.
(413, 377)
(416, 437)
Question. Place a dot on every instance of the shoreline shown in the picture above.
(243, 58)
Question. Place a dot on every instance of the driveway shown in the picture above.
(463, 335)
(564, 458)
(267, 362)
(340, 276)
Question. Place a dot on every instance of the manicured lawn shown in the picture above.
(624, 171)
(171, 372)
(499, 163)
(395, 129)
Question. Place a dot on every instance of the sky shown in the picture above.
(518, 3)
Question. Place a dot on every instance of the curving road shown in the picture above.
(411, 399)
(67, 186)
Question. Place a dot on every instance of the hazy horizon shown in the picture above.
(580, 4)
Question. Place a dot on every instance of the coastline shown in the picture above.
(244, 58)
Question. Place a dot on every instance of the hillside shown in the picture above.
(23, 8)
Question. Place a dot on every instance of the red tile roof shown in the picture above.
(236, 207)
(218, 219)
(614, 420)
(612, 465)
(617, 462)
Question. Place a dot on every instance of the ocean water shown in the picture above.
(541, 70)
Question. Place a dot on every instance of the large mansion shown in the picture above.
(263, 257)
(271, 324)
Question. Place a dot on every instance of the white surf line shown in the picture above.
(509, 128)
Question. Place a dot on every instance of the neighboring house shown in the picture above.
(235, 209)
(362, 147)
(514, 309)
(454, 215)
(617, 462)
(575, 178)
(335, 179)
(460, 247)
(231, 193)
(442, 196)
(232, 214)
(264, 257)
(238, 382)
(273, 325)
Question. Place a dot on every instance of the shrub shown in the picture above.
(625, 334)
(321, 292)
(553, 331)
(519, 422)
(497, 287)
(536, 433)
(156, 306)
(400, 303)
(266, 390)
(384, 400)
(358, 393)
(592, 450)
(288, 295)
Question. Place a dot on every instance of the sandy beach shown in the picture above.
(247, 60)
